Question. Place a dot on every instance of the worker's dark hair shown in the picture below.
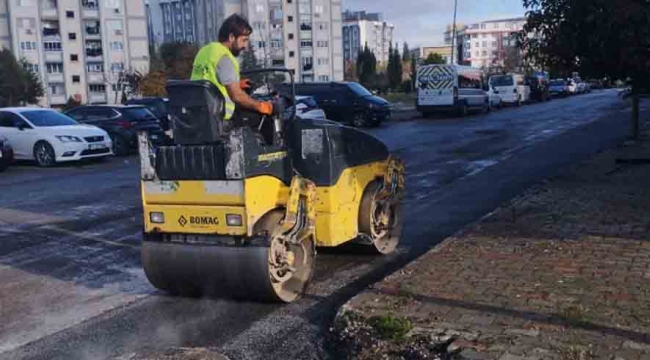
(236, 25)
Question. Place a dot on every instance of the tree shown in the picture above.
(351, 71)
(366, 65)
(413, 70)
(597, 38)
(434, 58)
(71, 104)
(19, 85)
(32, 85)
(513, 59)
(178, 59)
(153, 84)
(406, 52)
(394, 68)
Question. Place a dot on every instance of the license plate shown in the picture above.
(96, 146)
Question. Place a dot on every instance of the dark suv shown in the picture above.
(345, 102)
(121, 122)
(158, 106)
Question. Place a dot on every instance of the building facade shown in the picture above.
(485, 44)
(361, 28)
(302, 35)
(423, 52)
(78, 47)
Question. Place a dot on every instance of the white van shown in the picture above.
(450, 87)
(512, 88)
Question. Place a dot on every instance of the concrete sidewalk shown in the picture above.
(561, 272)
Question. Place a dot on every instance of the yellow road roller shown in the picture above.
(239, 209)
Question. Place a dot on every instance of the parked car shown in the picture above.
(539, 90)
(48, 136)
(559, 87)
(158, 106)
(122, 122)
(6, 153)
(307, 108)
(450, 87)
(513, 88)
(345, 102)
(494, 98)
(574, 88)
(596, 84)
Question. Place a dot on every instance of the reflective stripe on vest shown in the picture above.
(205, 67)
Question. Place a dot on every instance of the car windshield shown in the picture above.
(557, 83)
(502, 81)
(47, 118)
(359, 90)
(138, 114)
(310, 102)
(156, 107)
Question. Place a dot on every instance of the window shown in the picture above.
(52, 45)
(72, 36)
(97, 88)
(323, 61)
(290, 36)
(26, 3)
(483, 26)
(494, 44)
(27, 45)
(484, 53)
(323, 78)
(276, 44)
(323, 26)
(115, 67)
(477, 54)
(290, 18)
(467, 82)
(306, 43)
(95, 68)
(55, 68)
(474, 36)
(496, 25)
(56, 89)
(32, 67)
(477, 44)
(292, 54)
(69, 14)
(76, 78)
(261, 44)
(484, 43)
(318, 9)
(322, 43)
(116, 46)
(74, 57)
(259, 8)
(9, 120)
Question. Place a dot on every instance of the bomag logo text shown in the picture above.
(204, 220)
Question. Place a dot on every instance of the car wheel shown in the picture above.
(44, 154)
(120, 146)
(3, 166)
(359, 120)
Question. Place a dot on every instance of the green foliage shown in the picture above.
(394, 69)
(406, 52)
(178, 59)
(434, 58)
(366, 65)
(18, 84)
(390, 327)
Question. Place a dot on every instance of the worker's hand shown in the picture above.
(245, 84)
(265, 108)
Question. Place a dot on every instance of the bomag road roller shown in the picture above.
(239, 211)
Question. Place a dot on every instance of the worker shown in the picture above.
(217, 63)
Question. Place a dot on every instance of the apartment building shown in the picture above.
(194, 21)
(303, 35)
(361, 28)
(79, 47)
(485, 43)
(423, 52)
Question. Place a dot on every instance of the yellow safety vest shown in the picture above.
(205, 67)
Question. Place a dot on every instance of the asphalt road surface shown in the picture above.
(71, 285)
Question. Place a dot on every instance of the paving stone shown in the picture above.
(524, 332)
(470, 354)
(636, 346)
(508, 356)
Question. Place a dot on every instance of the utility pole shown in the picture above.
(453, 33)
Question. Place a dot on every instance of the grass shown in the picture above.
(390, 327)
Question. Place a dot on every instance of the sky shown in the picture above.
(423, 22)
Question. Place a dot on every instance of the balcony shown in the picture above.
(90, 9)
(55, 78)
(95, 78)
(308, 68)
(51, 31)
(94, 51)
(49, 13)
(59, 99)
(93, 29)
(53, 56)
(96, 97)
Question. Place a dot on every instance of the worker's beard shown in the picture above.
(235, 51)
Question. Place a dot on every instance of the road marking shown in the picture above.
(90, 237)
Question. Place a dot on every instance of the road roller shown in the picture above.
(239, 209)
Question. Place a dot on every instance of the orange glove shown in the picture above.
(245, 84)
(265, 108)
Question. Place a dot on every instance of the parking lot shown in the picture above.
(70, 235)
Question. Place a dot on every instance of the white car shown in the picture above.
(48, 137)
(307, 108)
(495, 99)
(512, 88)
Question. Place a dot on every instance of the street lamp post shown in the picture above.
(453, 33)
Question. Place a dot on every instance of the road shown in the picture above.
(71, 285)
